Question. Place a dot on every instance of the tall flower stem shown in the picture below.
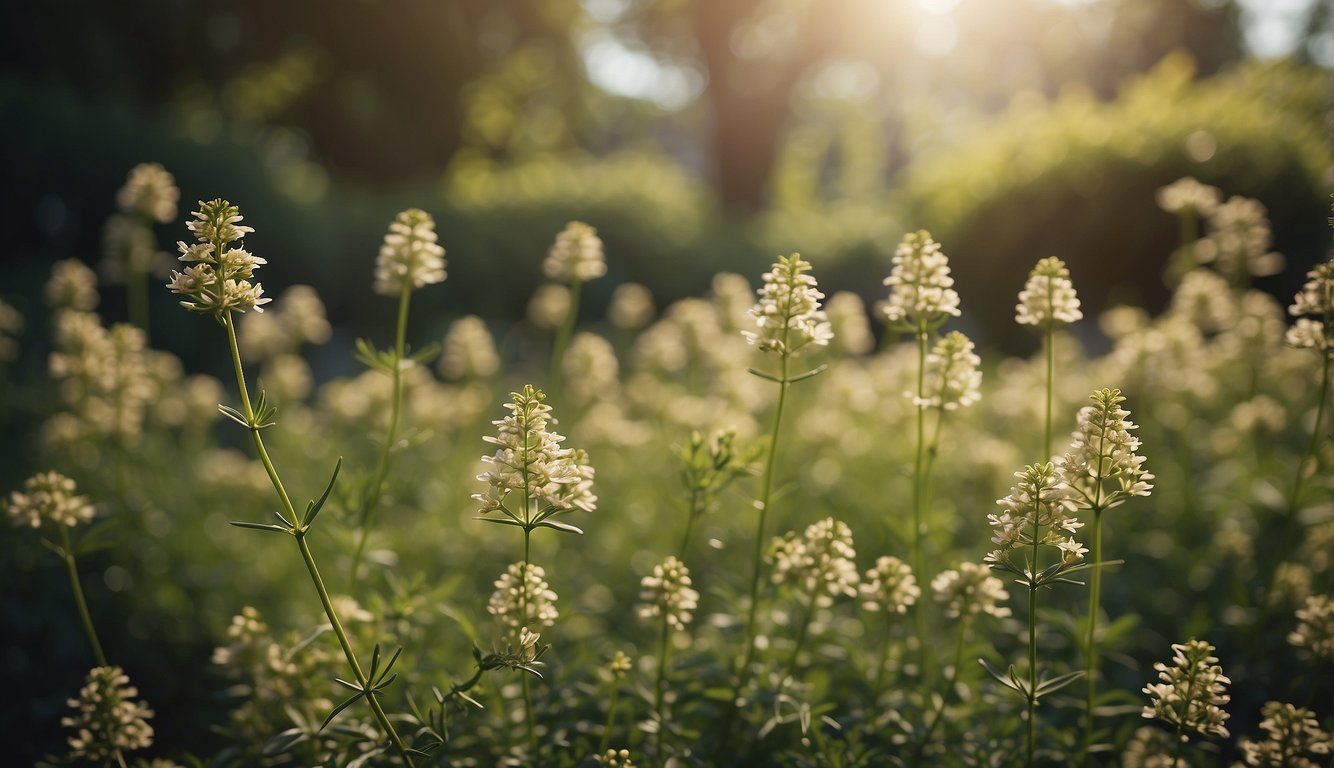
(806, 617)
(1315, 431)
(1091, 668)
(530, 725)
(659, 687)
(136, 294)
(949, 686)
(1049, 346)
(1033, 645)
(611, 716)
(67, 554)
(306, 554)
(757, 555)
(919, 492)
(563, 339)
(375, 490)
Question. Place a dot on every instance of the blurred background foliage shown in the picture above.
(695, 135)
(698, 136)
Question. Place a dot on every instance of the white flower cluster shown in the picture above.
(1291, 735)
(1192, 692)
(296, 318)
(1048, 297)
(1315, 298)
(788, 312)
(531, 461)
(1188, 195)
(576, 255)
(822, 562)
(1315, 628)
(667, 593)
(410, 254)
(469, 351)
(921, 293)
(1103, 451)
(48, 497)
(631, 307)
(218, 281)
(592, 372)
(889, 586)
(970, 590)
(1238, 241)
(952, 379)
(72, 286)
(523, 598)
(615, 758)
(150, 192)
(1037, 510)
(106, 720)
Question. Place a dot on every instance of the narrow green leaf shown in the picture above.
(334, 713)
(312, 512)
(392, 660)
(1059, 682)
(260, 526)
(559, 526)
(763, 375)
(234, 415)
(500, 521)
(349, 686)
(816, 371)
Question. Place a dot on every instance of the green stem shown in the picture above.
(949, 686)
(529, 721)
(1033, 645)
(801, 633)
(374, 491)
(136, 295)
(1315, 433)
(918, 493)
(696, 509)
(611, 715)
(1048, 343)
(757, 557)
(658, 691)
(300, 536)
(563, 340)
(1095, 598)
(67, 554)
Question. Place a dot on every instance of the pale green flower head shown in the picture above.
(72, 286)
(970, 590)
(530, 461)
(469, 351)
(576, 255)
(523, 598)
(48, 498)
(1189, 196)
(1293, 735)
(1315, 627)
(921, 292)
(410, 254)
(107, 720)
(788, 313)
(889, 586)
(1036, 511)
(1192, 691)
(615, 758)
(150, 193)
(219, 279)
(1048, 298)
(821, 562)
(1103, 467)
(952, 378)
(667, 593)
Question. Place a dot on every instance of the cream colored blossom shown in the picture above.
(921, 292)
(410, 254)
(469, 351)
(48, 498)
(788, 313)
(529, 460)
(576, 255)
(889, 586)
(667, 593)
(218, 280)
(1048, 298)
(72, 286)
(107, 721)
(952, 378)
(1315, 627)
(631, 307)
(1188, 195)
(1192, 691)
(1103, 467)
(549, 306)
(523, 598)
(1292, 736)
(821, 562)
(970, 590)
(150, 192)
